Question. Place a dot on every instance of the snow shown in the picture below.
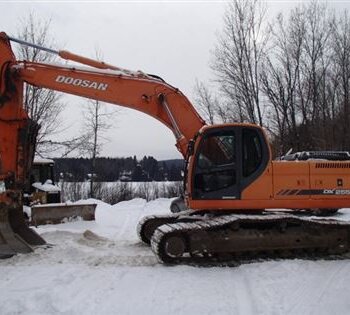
(28, 211)
(40, 160)
(100, 267)
(47, 186)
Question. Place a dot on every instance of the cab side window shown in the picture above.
(216, 164)
(252, 152)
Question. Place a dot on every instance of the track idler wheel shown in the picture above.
(174, 246)
(169, 248)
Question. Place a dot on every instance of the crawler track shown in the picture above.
(147, 226)
(203, 239)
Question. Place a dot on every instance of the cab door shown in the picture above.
(216, 172)
(227, 160)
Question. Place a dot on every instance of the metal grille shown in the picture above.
(332, 165)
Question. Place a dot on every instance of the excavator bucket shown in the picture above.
(15, 235)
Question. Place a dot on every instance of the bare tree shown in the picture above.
(298, 79)
(341, 77)
(299, 66)
(206, 103)
(279, 78)
(238, 57)
(42, 105)
(314, 66)
(97, 120)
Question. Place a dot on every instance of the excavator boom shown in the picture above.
(137, 90)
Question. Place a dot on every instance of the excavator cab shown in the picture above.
(227, 160)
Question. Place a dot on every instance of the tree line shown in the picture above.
(289, 74)
(117, 169)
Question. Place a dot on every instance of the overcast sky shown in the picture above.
(171, 39)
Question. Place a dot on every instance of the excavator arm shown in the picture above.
(146, 93)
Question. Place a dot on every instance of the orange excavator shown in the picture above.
(232, 185)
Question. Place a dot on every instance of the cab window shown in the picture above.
(216, 164)
(252, 152)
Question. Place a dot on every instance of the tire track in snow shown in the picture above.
(244, 297)
(315, 286)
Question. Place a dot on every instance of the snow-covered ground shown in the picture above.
(109, 271)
